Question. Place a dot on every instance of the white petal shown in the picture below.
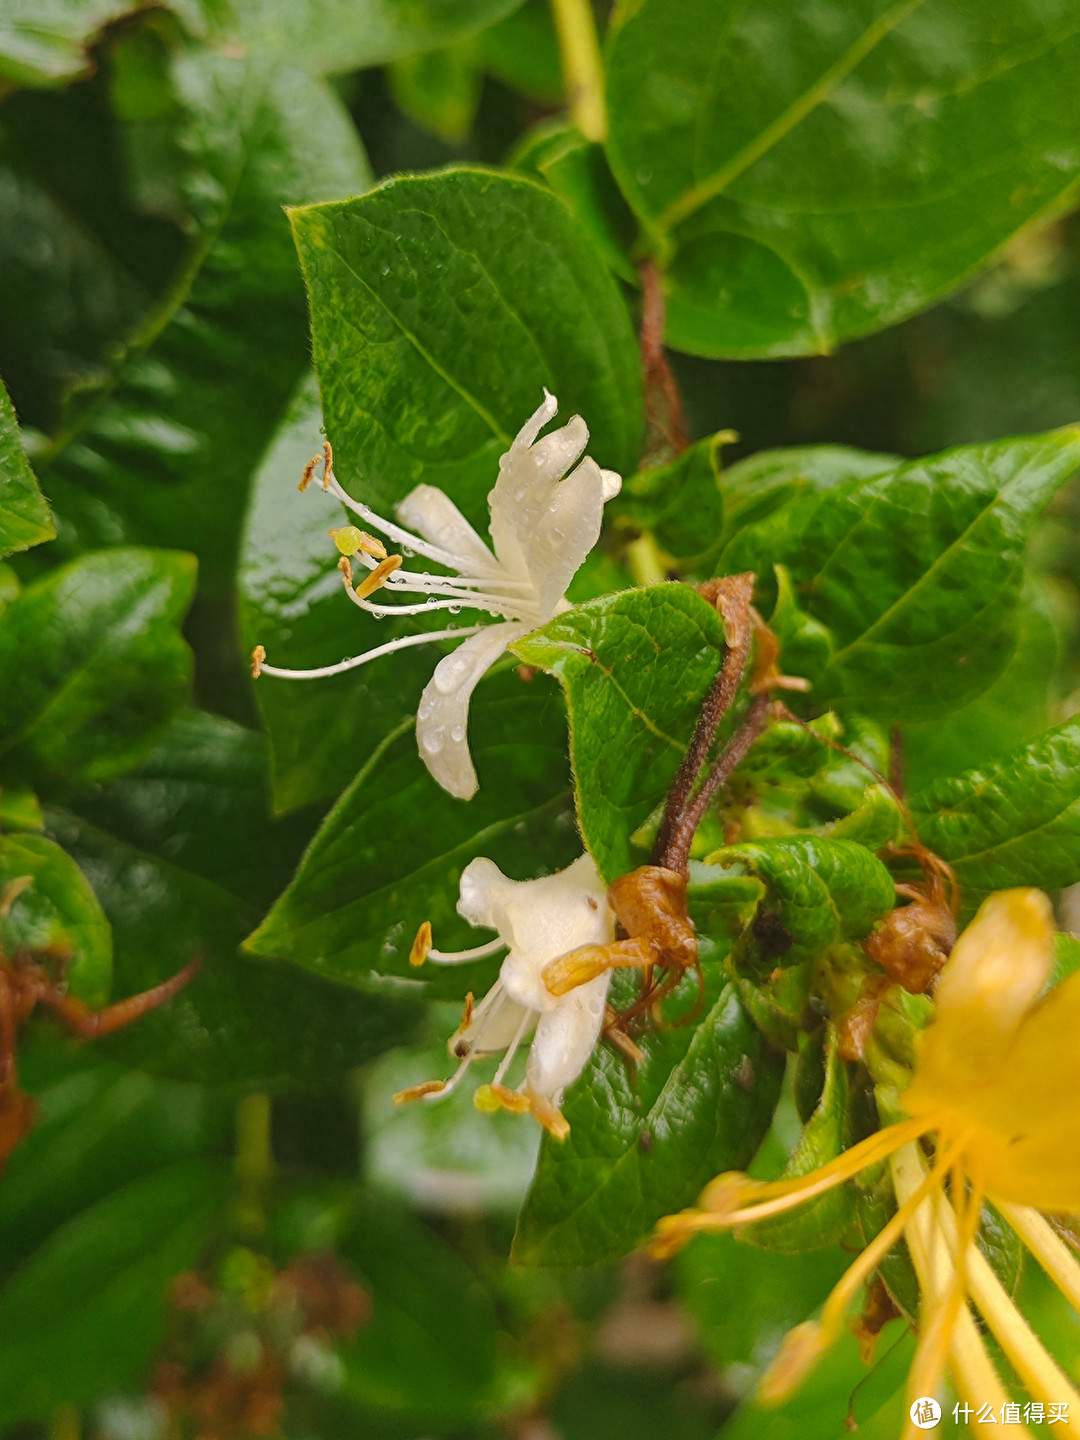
(562, 531)
(545, 411)
(565, 1038)
(435, 517)
(612, 481)
(538, 919)
(490, 1030)
(443, 716)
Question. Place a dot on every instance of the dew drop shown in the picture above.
(449, 674)
(434, 740)
(454, 609)
(457, 733)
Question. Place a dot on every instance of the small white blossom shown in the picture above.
(544, 522)
(538, 921)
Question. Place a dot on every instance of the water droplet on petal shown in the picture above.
(457, 733)
(449, 674)
(454, 609)
(434, 740)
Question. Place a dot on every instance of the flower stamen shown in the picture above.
(377, 578)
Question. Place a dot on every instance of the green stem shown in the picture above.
(254, 1162)
(583, 70)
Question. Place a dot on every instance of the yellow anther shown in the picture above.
(378, 577)
(309, 472)
(258, 655)
(421, 946)
(345, 568)
(550, 1116)
(417, 1092)
(328, 464)
(467, 1013)
(485, 1100)
(349, 540)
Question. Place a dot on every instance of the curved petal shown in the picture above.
(564, 528)
(565, 1038)
(491, 1028)
(435, 518)
(989, 983)
(443, 715)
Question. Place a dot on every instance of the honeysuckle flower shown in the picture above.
(995, 1089)
(544, 521)
(538, 921)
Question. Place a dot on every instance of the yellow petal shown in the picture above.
(995, 973)
(1028, 1138)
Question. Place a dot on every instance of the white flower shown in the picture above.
(539, 921)
(542, 527)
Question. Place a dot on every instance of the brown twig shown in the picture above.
(663, 403)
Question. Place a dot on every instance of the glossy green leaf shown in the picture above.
(24, 515)
(321, 732)
(1015, 821)
(917, 574)
(332, 36)
(431, 381)
(818, 175)
(744, 1299)
(20, 809)
(58, 911)
(430, 1318)
(755, 487)
(92, 663)
(523, 51)
(681, 504)
(831, 1128)
(578, 172)
(644, 1142)
(819, 892)
(47, 42)
(635, 667)
(183, 855)
(163, 450)
(98, 1127)
(440, 89)
(391, 852)
(84, 1313)
(839, 1386)
(1014, 709)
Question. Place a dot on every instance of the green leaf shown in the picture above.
(163, 450)
(840, 1385)
(831, 1128)
(24, 515)
(97, 1128)
(635, 667)
(772, 479)
(523, 52)
(92, 663)
(84, 1314)
(1015, 708)
(47, 42)
(431, 381)
(917, 573)
(440, 89)
(321, 732)
(1015, 821)
(182, 855)
(391, 852)
(644, 1142)
(20, 809)
(332, 36)
(819, 892)
(743, 1300)
(577, 170)
(680, 504)
(57, 911)
(430, 1318)
(814, 177)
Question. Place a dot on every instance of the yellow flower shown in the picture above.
(995, 1090)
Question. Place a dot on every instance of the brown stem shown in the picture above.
(677, 853)
(660, 384)
(733, 601)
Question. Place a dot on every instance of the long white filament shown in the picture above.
(402, 644)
